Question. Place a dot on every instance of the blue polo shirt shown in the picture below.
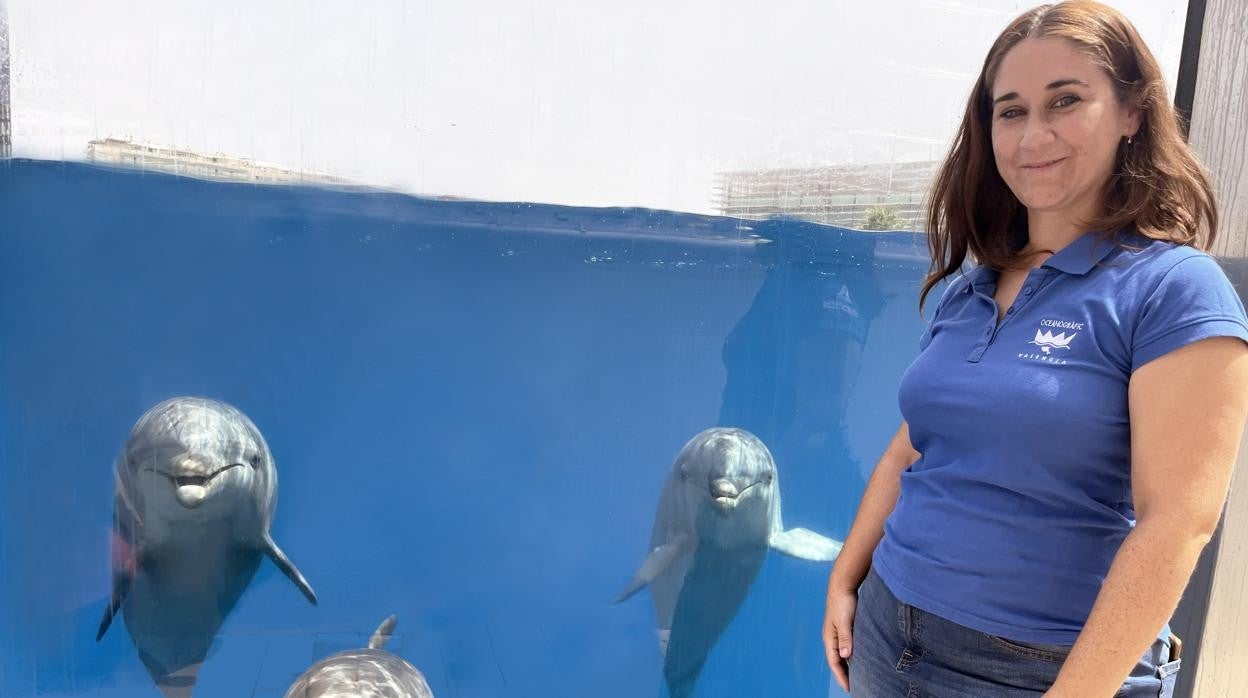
(1010, 519)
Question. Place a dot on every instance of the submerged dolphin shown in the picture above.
(363, 673)
(195, 492)
(718, 514)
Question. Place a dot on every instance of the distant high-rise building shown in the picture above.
(115, 151)
(6, 123)
(837, 195)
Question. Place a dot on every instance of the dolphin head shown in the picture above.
(197, 455)
(731, 467)
(363, 673)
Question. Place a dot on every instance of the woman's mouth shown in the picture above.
(1043, 166)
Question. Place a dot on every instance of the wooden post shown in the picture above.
(1219, 130)
(1219, 134)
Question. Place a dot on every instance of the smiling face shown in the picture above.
(728, 466)
(1056, 126)
(197, 455)
(192, 475)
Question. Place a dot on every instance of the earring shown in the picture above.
(1130, 138)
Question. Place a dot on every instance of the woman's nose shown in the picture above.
(1036, 134)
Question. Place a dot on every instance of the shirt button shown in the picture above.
(1027, 291)
(1010, 311)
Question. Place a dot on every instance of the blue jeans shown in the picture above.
(903, 652)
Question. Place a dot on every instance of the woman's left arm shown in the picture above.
(1187, 416)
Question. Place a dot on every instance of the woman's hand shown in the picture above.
(838, 626)
(854, 562)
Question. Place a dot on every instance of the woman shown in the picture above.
(1074, 413)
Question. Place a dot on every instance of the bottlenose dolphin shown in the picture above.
(718, 514)
(196, 488)
(363, 673)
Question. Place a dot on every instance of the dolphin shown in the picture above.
(196, 488)
(718, 514)
(363, 673)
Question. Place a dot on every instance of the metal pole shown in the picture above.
(6, 123)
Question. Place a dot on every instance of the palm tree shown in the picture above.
(884, 218)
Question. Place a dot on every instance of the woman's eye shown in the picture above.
(1011, 113)
(1066, 101)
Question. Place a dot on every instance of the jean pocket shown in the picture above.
(1031, 650)
(1169, 675)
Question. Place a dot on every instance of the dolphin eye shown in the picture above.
(255, 460)
(768, 477)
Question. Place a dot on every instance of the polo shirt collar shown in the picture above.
(1083, 254)
(981, 277)
(1078, 258)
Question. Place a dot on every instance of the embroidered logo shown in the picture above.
(1047, 341)
(1053, 337)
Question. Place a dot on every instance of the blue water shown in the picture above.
(472, 409)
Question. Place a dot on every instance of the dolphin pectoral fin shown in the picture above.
(288, 568)
(127, 557)
(805, 544)
(121, 587)
(106, 621)
(635, 585)
(382, 635)
(657, 561)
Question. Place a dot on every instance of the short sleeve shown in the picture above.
(950, 290)
(1193, 301)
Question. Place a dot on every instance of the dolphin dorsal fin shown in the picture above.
(382, 635)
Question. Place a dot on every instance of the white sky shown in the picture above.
(586, 102)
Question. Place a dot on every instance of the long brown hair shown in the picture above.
(1158, 186)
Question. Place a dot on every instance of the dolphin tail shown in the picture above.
(288, 568)
(121, 587)
(180, 683)
(382, 635)
(805, 544)
(681, 669)
(657, 561)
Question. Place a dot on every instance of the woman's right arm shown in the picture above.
(855, 557)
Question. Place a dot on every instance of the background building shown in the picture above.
(115, 151)
(838, 195)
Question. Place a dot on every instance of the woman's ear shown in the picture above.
(1133, 115)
